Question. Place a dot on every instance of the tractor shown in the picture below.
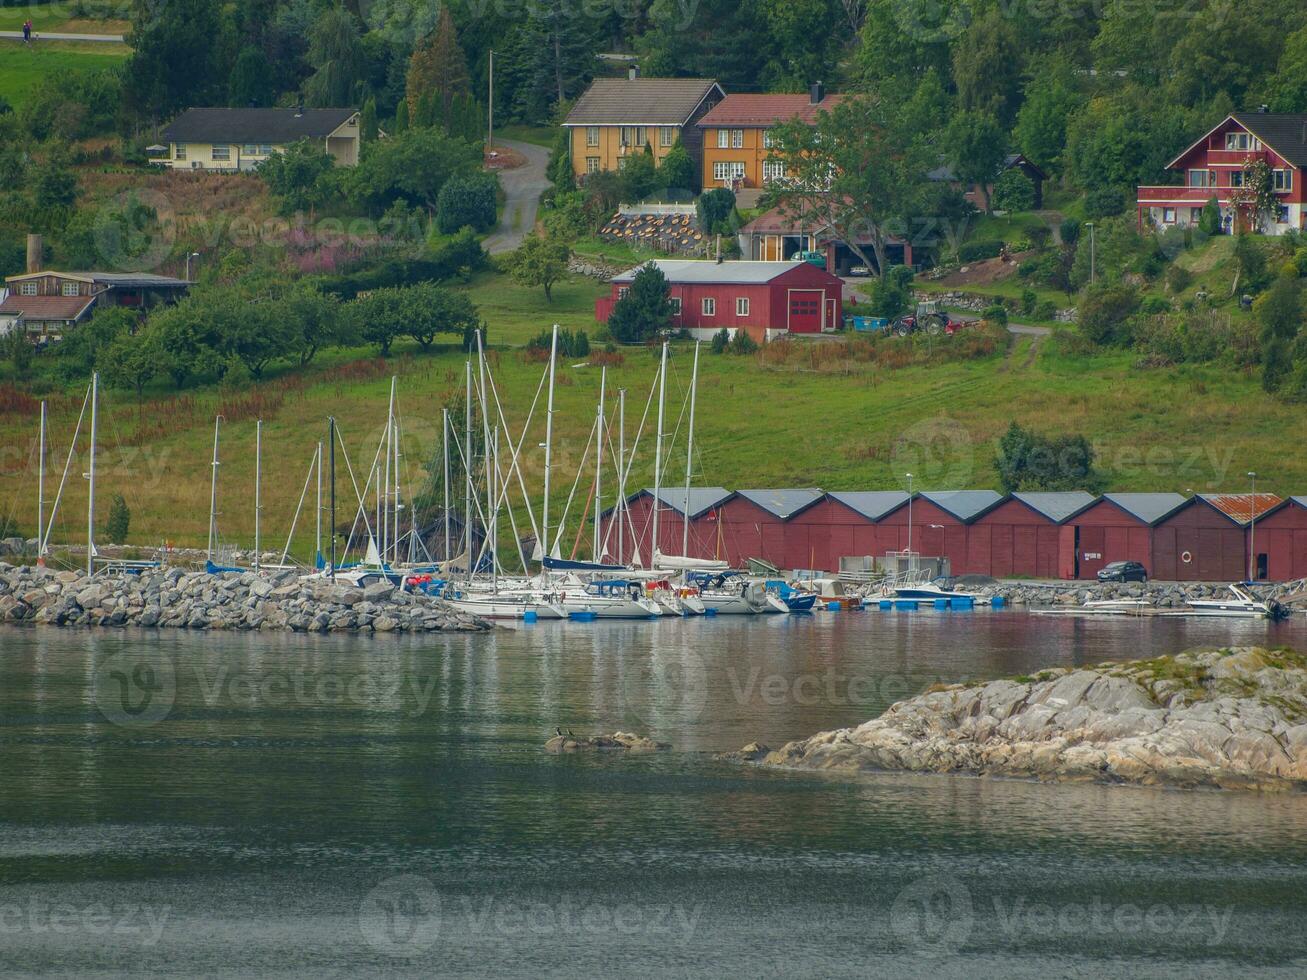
(927, 317)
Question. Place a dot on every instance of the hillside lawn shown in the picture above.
(514, 314)
(22, 66)
(806, 422)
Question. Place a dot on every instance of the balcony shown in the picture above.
(1176, 194)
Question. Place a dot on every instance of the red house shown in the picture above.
(634, 535)
(843, 524)
(1280, 537)
(936, 526)
(764, 299)
(1119, 527)
(752, 524)
(1028, 535)
(1216, 166)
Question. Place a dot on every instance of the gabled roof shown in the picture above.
(46, 307)
(702, 499)
(1300, 501)
(1283, 132)
(1058, 507)
(871, 504)
(640, 101)
(766, 110)
(122, 279)
(707, 271)
(1150, 508)
(255, 125)
(1242, 508)
(965, 505)
(783, 503)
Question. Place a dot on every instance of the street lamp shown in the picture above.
(1252, 528)
(911, 561)
(189, 256)
(1090, 226)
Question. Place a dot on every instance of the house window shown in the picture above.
(622, 291)
(773, 170)
(265, 149)
(250, 150)
(592, 165)
(766, 139)
(1282, 213)
(723, 139)
(1197, 178)
(1195, 215)
(179, 151)
(709, 306)
(667, 136)
(222, 153)
(621, 163)
(737, 139)
(724, 170)
(633, 136)
(1236, 178)
(676, 305)
(27, 289)
(1168, 216)
(1240, 141)
(741, 306)
(1282, 180)
(70, 289)
(592, 136)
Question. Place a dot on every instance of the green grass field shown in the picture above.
(23, 66)
(514, 314)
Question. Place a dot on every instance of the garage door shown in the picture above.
(805, 310)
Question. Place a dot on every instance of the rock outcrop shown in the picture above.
(229, 601)
(1226, 718)
(625, 741)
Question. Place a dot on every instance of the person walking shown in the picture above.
(27, 31)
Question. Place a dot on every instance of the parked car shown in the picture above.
(861, 271)
(812, 258)
(1123, 571)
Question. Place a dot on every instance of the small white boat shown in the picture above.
(610, 600)
(726, 604)
(928, 590)
(504, 606)
(1242, 605)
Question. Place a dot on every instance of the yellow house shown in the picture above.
(616, 117)
(737, 151)
(241, 139)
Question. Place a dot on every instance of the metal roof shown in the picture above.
(965, 505)
(254, 125)
(1300, 501)
(765, 110)
(708, 271)
(1242, 508)
(1057, 506)
(106, 278)
(1148, 507)
(640, 101)
(702, 499)
(783, 503)
(871, 504)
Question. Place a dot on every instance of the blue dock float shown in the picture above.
(998, 602)
(529, 616)
(582, 616)
(941, 603)
(907, 604)
(962, 603)
(710, 612)
(886, 604)
(834, 606)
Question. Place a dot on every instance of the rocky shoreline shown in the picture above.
(1164, 595)
(174, 597)
(1229, 719)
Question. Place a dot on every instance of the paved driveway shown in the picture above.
(522, 189)
(47, 36)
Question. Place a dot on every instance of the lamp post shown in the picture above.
(189, 256)
(1252, 528)
(1090, 226)
(912, 564)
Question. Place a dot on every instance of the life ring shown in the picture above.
(1186, 557)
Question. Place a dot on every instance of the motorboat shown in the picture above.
(506, 605)
(611, 599)
(1242, 604)
(927, 591)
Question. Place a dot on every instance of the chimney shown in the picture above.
(35, 250)
(633, 72)
(1263, 108)
(816, 92)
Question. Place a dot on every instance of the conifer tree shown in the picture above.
(438, 68)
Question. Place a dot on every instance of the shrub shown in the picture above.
(1154, 305)
(1028, 268)
(1104, 312)
(1209, 222)
(569, 344)
(1039, 235)
(1045, 309)
(1105, 201)
(1178, 278)
(120, 519)
(721, 340)
(467, 201)
(714, 209)
(1069, 230)
(975, 251)
(1029, 460)
(742, 343)
(1014, 191)
(1028, 301)
(996, 314)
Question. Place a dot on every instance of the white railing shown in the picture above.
(634, 210)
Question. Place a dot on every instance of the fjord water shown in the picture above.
(224, 804)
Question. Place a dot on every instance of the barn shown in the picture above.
(1119, 527)
(844, 524)
(1207, 540)
(764, 299)
(1027, 535)
(635, 535)
(1280, 535)
(752, 524)
(934, 524)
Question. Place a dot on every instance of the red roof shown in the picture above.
(47, 307)
(765, 110)
(1242, 507)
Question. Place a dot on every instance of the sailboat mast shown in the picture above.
(467, 470)
(213, 490)
(491, 472)
(549, 443)
(90, 476)
(317, 532)
(40, 492)
(599, 459)
(621, 470)
(331, 440)
(689, 456)
(494, 516)
(395, 532)
(258, 487)
(444, 445)
(658, 450)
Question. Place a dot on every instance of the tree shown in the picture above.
(438, 68)
(1209, 222)
(56, 185)
(120, 519)
(401, 117)
(1050, 99)
(295, 175)
(250, 83)
(420, 312)
(644, 310)
(639, 176)
(852, 174)
(1279, 313)
(466, 201)
(130, 361)
(316, 319)
(676, 172)
(976, 148)
(1104, 312)
(715, 208)
(412, 167)
(1030, 461)
(560, 161)
(1286, 90)
(1014, 191)
(987, 67)
(174, 62)
(540, 261)
(339, 60)
(805, 45)
(368, 126)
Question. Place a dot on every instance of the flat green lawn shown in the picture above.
(23, 65)
(87, 17)
(539, 135)
(515, 314)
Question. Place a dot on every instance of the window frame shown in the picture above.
(179, 151)
(28, 289)
(723, 139)
(1165, 219)
(1281, 179)
(767, 142)
(666, 136)
(623, 292)
(676, 305)
(591, 165)
(741, 306)
(225, 150)
(1237, 178)
(64, 288)
(592, 136)
(737, 139)
(708, 306)
(728, 170)
(773, 170)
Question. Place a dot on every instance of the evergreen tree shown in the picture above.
(401, 117)
(368, 121)
(340, 63)
(644, 310)
(438, 69)
(120, 520)
(251, 79)
(676, 172)
(1279, 311)
(174, 62)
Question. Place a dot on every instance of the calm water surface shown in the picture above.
(190, 805)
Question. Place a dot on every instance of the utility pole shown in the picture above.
(490, 107)
(1252, 530)
(912, 562)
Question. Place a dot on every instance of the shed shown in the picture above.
(636, 535)
(1119, 527)
(1244, 510)
(752, 524)
(935, 525)
(836, 526)
(1200, 541)
(1027, 535)
(1281, 536)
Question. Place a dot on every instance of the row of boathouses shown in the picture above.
(1046, 535)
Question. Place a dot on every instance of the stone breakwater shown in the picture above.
(1224, 718)
(173, 597)
(1164, 595)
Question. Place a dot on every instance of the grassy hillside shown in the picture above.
(799, 419)
(23, 65)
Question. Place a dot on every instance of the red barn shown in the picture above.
(1119, 527)
(634, 536)
(1216, 166)
(842, 524)
(1280, 536)
(764, 299)
(1028, 535)
(1201, 541)
(935, 525)
(752, 524)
